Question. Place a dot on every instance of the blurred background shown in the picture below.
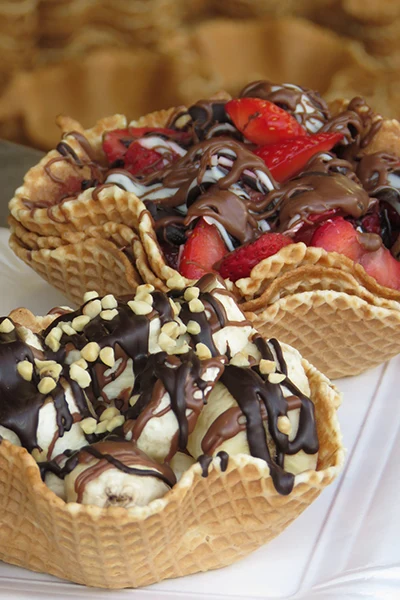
(90, 58)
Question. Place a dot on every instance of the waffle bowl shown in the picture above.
(297, 293)
(221, 519)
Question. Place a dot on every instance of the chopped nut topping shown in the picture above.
(165, 342)
(267, 366)
(139, 307)
(51, 340)
(284, 425)
(148, 298)
(90, 296)
(109, 302)
(25, 369)
(176, 282)
(240, 360)
(196, 305)
(92, 309)
(91, 351)
(79, 323)
(107, 356)
(171, 329)
(115, 422)
(202, 351)
(276, 377)
(145, 288)
(6, 326)
(191, 293)
(181, 325)
(88, 425)
(101, 428)
(176, 307)
(81, 362)
(108, 315)
(46, 385)
(79, 375)
(182, 349)
(65, 328)
(109, 413)
(51, 370)
(133, 399)
(193, 328)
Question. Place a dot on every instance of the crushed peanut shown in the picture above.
(267, 366)
(109, 302)
(25, 369)
(92, 309)
(276, 377)
(79, 323)
(171, 329)
(88, 425)
(139, 307)
(6, 326)
(202, 351)
(46, 385)
(193, 327)
(79, 375)
(90, 296)
(196, 305)
(115, 422)
(91, 351)
(108, 315)
(284, 425)
(109, 413)
(107, 356)
(191, 293)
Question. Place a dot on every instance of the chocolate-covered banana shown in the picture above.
(263, 411)
(116, 473)
(173, 391)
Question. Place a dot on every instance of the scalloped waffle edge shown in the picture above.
(201, 524)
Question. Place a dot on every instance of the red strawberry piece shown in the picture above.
(202, 250)
(288, 157)
(338, 235)
(142, 161)
(262, 122)
(117, 142)
(306, 231)
(239, 263)
(383, 267)
(371, 223)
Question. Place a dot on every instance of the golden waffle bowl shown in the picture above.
(202, 523)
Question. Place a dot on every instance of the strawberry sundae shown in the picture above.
(230, 182)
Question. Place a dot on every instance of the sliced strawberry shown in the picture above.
(117, 142)
(307, 230)
(202, 250)
(142, 161)
(288, 157)
(383, 267)
(239, 263)
(262, 122)
(338, 235)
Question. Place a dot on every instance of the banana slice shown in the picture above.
(116, 473)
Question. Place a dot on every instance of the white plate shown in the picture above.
(345, 546)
